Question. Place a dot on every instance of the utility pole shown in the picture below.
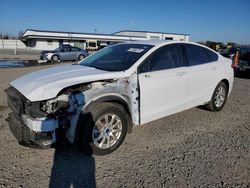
(131, 27)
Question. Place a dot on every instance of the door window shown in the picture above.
(74, 49)
(167, 57)
(66, 49)
(198, 55)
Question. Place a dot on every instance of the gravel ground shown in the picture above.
(194, 148)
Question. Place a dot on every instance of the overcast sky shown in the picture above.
(217, 20)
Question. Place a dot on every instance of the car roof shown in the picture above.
(162, 42)
(149, 42)
(159, 43)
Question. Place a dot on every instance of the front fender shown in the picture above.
(88, 108)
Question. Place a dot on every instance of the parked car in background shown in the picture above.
(66, 52)
(220, 50)
(96, 101)
(242, 62)
(229, 52)
(102, 45)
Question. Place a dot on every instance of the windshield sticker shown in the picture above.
(135, 50)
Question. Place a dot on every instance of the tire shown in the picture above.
(219, 97)
(96, 137)
(55, 58)
(81, 57)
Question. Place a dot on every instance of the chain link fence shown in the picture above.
(12, 44)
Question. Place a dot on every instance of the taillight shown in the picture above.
(233, 66)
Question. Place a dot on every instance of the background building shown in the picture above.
(41, 40)
(149, 35)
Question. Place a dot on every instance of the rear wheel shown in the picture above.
(104, 129)
(81, 57)
(219, 97)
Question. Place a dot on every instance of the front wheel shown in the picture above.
(105, 128)
(219, 97)
(55, 58)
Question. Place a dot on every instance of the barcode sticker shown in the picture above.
(135, 50)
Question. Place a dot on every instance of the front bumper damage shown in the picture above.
(30, 131)
(33, 132)
(41, 122)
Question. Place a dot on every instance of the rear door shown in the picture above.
(162, 82)
(202, 73)
(75, 52)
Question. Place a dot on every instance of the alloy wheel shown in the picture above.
(220, 97)
(107, 131)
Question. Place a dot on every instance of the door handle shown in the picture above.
(147, 76)
(181, 73)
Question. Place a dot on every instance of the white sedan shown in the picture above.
(97, 101)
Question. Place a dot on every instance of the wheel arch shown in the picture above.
(108, 98)
(227, 84)
(94, 104)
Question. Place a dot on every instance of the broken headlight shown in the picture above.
(33, 109)
(55, 105)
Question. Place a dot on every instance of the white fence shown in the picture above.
(12, 44)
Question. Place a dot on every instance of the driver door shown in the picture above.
(65, 53)
(162, 82)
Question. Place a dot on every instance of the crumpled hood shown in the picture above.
(46, 84)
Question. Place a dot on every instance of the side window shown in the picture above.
(66, 49)
(212, 56)
(74, 49)
(198, 55)
(167, 57)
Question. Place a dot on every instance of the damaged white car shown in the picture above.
(97, 101)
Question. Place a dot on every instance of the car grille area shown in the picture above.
(15, 102)
(24, 135)
(20, 132)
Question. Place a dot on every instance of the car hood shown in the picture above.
(46, 84)
(47, 51)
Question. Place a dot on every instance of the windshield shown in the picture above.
(118, 57)
(57, 49)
